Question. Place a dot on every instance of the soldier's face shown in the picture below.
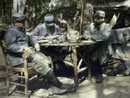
(98, 20)
(49, 23)
(20, 24)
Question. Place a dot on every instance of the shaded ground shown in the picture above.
(112, 87)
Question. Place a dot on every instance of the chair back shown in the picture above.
(4, 51)
(23, 72)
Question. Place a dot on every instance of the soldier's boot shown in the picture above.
(51, 78)
(99, 78)
(118, 71)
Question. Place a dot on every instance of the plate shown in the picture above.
(51, 37)
(43, 41)
(85, 41)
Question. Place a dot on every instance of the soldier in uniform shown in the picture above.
(49, 28)
(17, 42)
(99, 32)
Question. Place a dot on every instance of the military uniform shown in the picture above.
(42, 29)
(101, 36)
(99, 32)
(16, 40)
(51, 30)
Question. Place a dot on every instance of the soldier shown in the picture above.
(18, 42)
(49, 28)
(98, 31)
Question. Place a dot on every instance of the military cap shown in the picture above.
(18, 17)
(49, 19)
(100, 14)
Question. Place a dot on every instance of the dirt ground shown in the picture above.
(112, 87)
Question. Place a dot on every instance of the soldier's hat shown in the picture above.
(100, 14)
(49, 19)
(18, 17)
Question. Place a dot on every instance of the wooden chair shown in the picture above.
(22, 73)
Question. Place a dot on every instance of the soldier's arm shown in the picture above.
(58, 30)
(103, 35)
(32, 40)
(36, 33)
(11, 41)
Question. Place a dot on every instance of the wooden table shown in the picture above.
(74, 54)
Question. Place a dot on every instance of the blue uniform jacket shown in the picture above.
(41, 30)
(16, 40)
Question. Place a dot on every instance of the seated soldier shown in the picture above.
(17, 42)
(47, 29)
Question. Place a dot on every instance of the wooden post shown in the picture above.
(26, 77)
(75, 65)
(18, 6)
(81, 17)
(3, 11)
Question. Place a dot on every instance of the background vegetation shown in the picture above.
(37, 9)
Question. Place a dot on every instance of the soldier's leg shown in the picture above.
(96, 67)
(43, 65)
(62, 49)
(97, 71)
(119, 70)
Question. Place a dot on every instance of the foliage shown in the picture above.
(37, 9)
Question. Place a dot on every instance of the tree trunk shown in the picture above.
(18, 6)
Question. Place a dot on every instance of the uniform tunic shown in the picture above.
(16, 40)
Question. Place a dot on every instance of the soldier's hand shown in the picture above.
(25, 54)
(57, 37)
(28, 50)
(87, 37)
(37, 47)
(81, 36)
(42, 38)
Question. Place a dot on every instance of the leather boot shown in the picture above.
(99, 78)
(51, 78)
(121, 69)
(118, 71)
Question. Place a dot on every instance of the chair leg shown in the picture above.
(7, 80)
(26, 84)
(8, 86)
